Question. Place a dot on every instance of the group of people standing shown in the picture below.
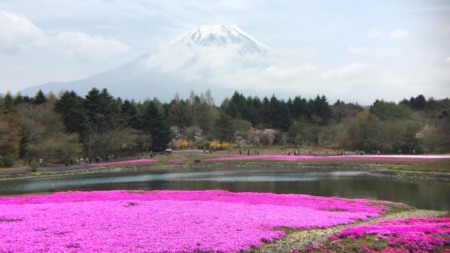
(97, 159)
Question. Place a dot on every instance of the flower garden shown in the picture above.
(409, 235)
(166, 221)
(343, 158)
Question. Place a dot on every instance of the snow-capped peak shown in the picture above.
(221, 36)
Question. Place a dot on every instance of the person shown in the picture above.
(240, 152)
(41, 162)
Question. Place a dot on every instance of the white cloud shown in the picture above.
(374, 33)
(347, 71)
(18, 33)
(284, 73)
(70, 55)
(357, 50)
(92, 49)
(399, 34)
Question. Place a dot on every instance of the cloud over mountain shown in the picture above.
(197, 60)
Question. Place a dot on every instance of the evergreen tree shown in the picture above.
(241, 105)
(100, 107)
(223, 127)
(70, 107)
(129, 113)
(40, 98)
(231, 109)
(299, 108)
(265, 112)
(153, 123)
(6, 103)
(279, 114)
(418, 103)
(320, 108)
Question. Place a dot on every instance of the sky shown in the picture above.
(352, 50)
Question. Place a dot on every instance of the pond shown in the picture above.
(352, 183)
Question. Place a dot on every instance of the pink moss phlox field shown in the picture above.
(345, 158)
(165, 221)
(415, 235)
(129, 162)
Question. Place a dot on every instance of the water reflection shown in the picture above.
(352, 184)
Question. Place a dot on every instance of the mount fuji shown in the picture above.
(207, 57)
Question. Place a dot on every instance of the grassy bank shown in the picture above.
(404, 166)
(440, 167)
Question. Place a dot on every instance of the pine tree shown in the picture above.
(6, 103)
(129, 112)
(40, 98)
(153, 123)
(70, 107)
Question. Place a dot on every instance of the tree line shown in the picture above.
(60, 128)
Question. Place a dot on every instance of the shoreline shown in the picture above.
(377, 169)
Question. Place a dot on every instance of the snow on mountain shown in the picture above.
(221, 36)
(198, 60)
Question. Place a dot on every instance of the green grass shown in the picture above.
(440, 167)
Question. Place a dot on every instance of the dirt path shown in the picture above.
(299, 239)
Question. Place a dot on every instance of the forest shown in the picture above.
(60, 128)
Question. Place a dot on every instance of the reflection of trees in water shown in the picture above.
(419, 193)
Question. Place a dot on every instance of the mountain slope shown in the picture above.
(196, 61)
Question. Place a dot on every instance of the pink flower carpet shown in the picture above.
(165, 221)
(410, 235)
(344, 158)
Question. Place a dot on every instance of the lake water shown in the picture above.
(428, 194)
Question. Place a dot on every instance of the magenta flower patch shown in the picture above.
(411, 235)
(349, 158)
(165, 221)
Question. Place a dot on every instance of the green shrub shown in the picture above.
(8, 160)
